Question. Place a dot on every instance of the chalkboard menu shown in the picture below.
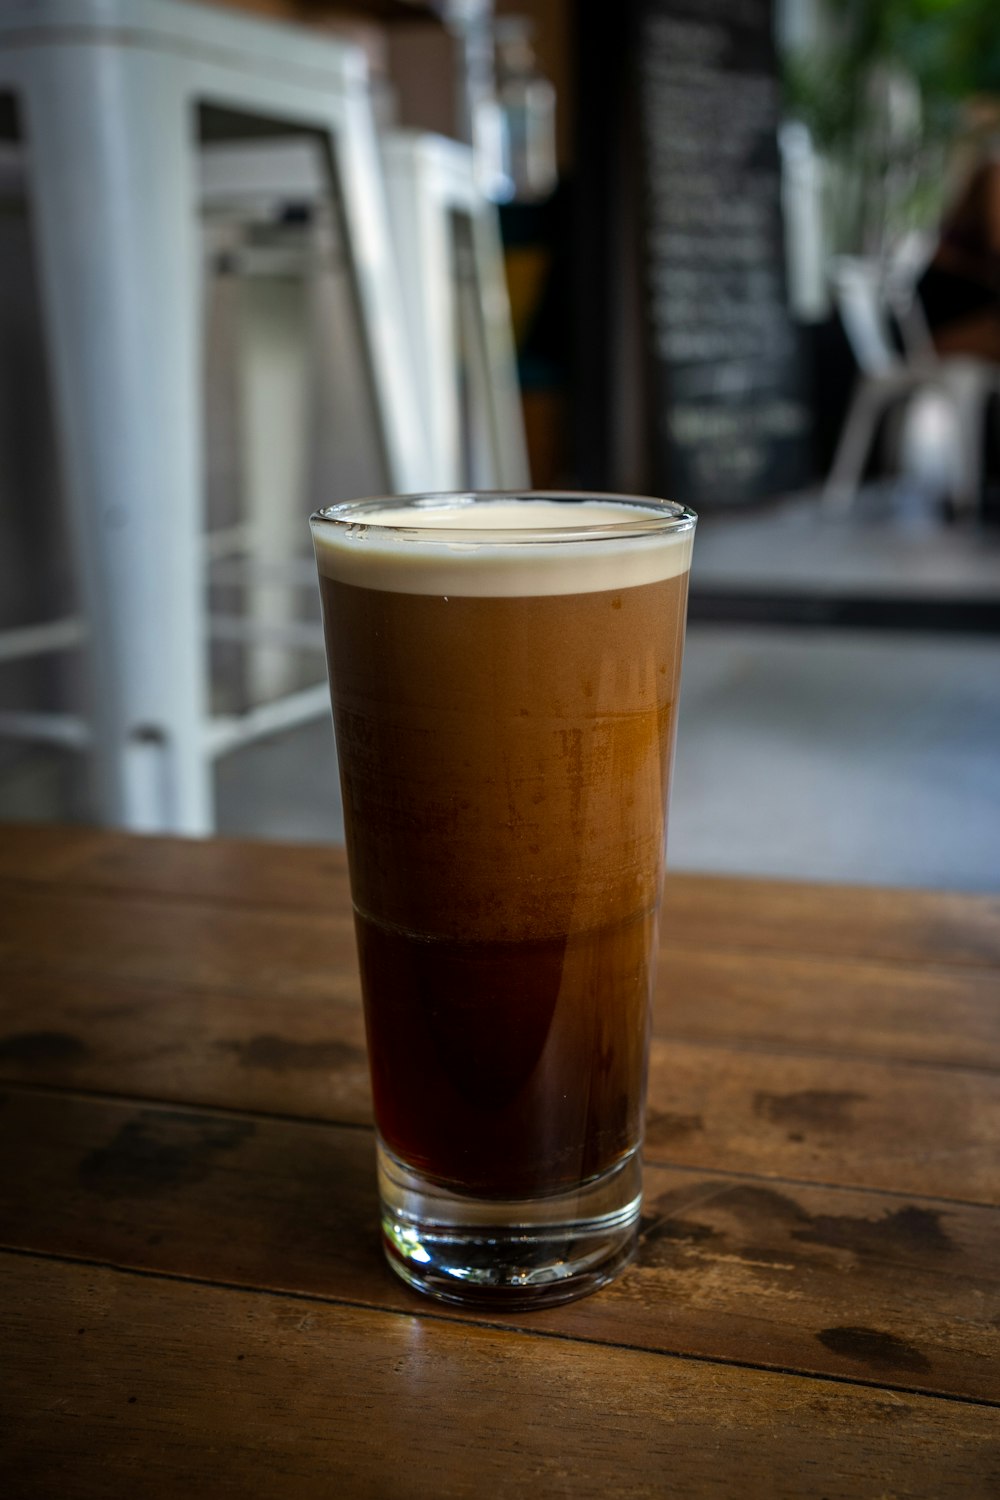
(729, 415)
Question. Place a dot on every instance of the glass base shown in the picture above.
(531, 1252)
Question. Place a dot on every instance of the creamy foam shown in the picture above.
(367, 554)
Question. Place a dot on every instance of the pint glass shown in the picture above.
(504, 670)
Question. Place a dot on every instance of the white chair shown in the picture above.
(291, 424)
(107, 93)
(446, 242)
(446, 239)
(866, 297)
(455, 295)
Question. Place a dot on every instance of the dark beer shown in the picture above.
(505, 743)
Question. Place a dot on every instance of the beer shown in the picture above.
(505, 721)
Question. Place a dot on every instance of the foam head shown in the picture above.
(505, 545)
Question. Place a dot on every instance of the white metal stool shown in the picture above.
(455, 294)
(964, 386)
(446, 241)
(447, 244)
(107, 93)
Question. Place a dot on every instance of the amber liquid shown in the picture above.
(504, 765)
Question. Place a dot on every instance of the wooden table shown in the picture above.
(194, 1300)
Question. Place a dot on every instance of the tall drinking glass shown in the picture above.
(504, 670)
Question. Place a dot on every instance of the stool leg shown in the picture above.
(967, 386)
(502, 392)
(867, 405)
(110, 141)
(357, 179)
(419, 224)
(273, 343)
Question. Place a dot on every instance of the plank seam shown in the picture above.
(105, 892)
(435, 1314)
(730, 1042)
(318, 1121)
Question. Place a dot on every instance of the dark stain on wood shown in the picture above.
(279, 1054)
(114, 1012)
(159, 1150)
(666, 1240)
(669, 1233)
(662, 1127)
(746, 1200)
(817, 1109)
(772, 1227)
(875, 1347)
(912, 1230)
(750, 1201)
(36, 1048)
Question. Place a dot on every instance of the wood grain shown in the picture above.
(900, 1290)
(879, 1125)
(194, 1298)
(190, 1046)
(909, 1011)
(304, 876)
(166, 1389)
(831, 920)
(176, 942)
(916, 1012)
(896, 1127)
(700, 911)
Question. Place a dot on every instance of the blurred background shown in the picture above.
(256, 257)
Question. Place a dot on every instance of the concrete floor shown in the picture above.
(890, 542)
(839, 756)
(843, 756)
(809, 753)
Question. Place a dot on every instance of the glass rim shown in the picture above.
(358, 517)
